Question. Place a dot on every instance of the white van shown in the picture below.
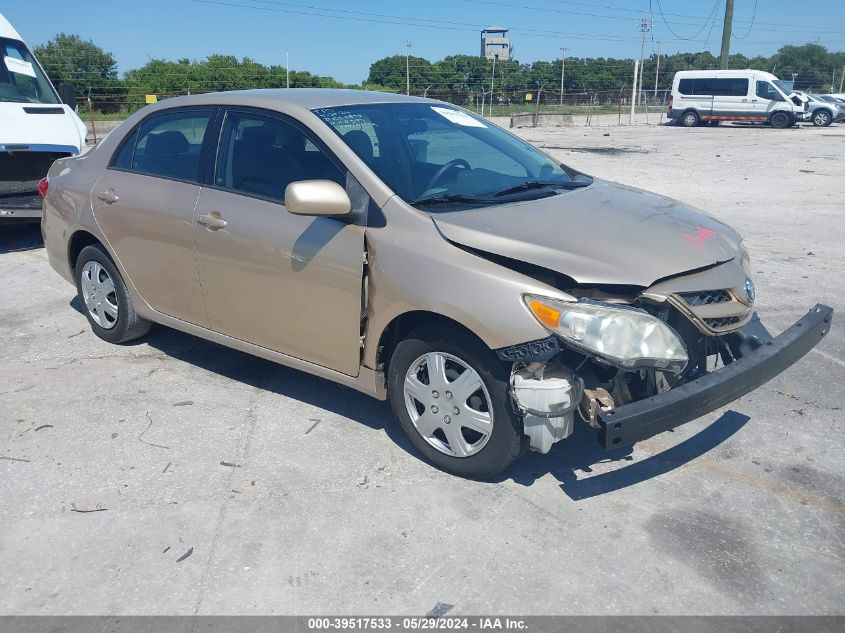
(700, 96)
(36, 127)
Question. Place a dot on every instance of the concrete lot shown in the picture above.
(175, 476)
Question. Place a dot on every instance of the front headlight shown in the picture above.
(625, 337)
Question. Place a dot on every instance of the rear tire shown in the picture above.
(437, 410)
(690, 118)
(780, 120)
(822, 118)
(104, 297)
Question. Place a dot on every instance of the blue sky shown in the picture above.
(342, 38)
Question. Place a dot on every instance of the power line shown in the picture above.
(700, 31)
(697, 22)
(748, 32)
(790, 27)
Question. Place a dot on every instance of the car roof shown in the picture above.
(309, 98)
(736, 72)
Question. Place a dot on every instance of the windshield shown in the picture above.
(786, 87)
(21, 78)
(440, 158)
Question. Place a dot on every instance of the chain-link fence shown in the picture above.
(495, 103)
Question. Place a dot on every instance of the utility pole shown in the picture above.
(634, 91)
(657, 72)
(645, 26)
(562, 72)
(287, 70)
(407, 67)
(726, 33)
(842, 80)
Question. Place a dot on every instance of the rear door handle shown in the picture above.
(212, 221)
(108, 196)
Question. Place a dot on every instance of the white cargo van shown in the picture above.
(36, 127)
(702, 96)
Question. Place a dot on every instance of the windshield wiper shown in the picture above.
(541, 184)
(449, 197)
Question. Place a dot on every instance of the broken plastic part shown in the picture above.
(547, 398)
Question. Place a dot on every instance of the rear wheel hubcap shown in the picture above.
(99, 295)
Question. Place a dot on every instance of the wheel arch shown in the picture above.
(403, 324)
(79, 240)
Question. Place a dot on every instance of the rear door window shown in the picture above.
(169, 145)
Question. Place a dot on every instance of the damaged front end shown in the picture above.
(635, 365)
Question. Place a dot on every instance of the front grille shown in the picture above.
(718, 324)
(705, 297)
(21, 171)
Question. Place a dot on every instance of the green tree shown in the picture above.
(390, 72)
(81, 63)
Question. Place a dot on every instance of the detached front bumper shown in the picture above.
(645, 418)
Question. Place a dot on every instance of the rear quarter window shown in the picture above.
(169, 144)
(122, 158)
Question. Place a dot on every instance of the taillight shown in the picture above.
(43, 185)
(670, 102)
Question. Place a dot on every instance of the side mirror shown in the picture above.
(317, 197)
(67, 93)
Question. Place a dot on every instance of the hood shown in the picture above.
(606, 233)
(45, 128)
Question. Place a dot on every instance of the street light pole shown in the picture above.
(287, 70)
(562, 71)
(407, 67)
(645, 26)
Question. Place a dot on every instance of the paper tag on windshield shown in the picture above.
(458, 117)
(19, 66)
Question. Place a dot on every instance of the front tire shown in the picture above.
(449, 393)
(780, 120)
(822, 118)
(105, 299)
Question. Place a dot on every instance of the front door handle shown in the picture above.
(108, 196)
(212, 221)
